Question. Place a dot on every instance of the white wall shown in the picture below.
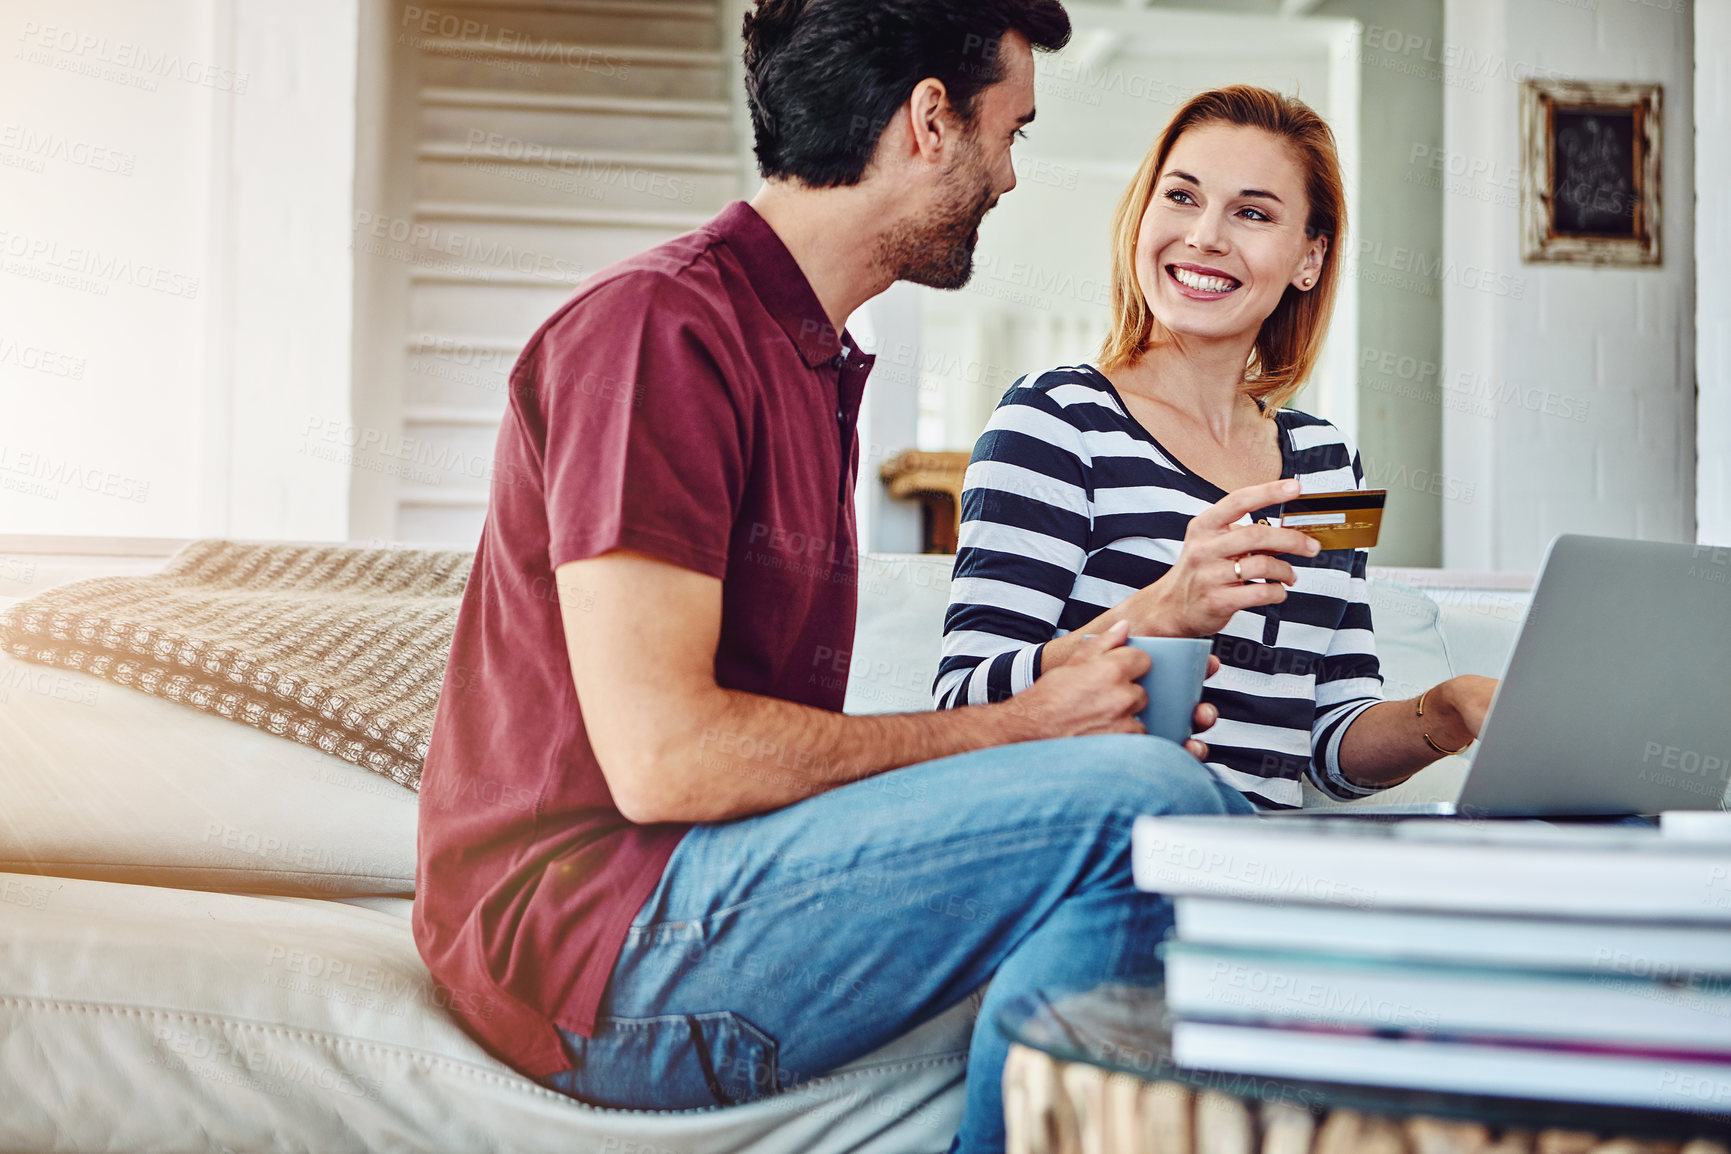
(1568, 392)
(1398, 222)
(1713, 267)
(175, 279)
(106, 117)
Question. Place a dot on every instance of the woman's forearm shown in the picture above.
(1144, 611)
(1059, 650)
(1386, 743)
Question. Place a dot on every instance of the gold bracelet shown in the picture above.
(1428, 741)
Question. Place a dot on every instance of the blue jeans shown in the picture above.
(781, 946)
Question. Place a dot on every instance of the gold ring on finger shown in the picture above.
(1238, 571)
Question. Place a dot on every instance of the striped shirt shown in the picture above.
(1070, 506)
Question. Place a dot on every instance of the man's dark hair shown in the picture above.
(824, 77)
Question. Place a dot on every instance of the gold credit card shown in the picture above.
(1349, 520)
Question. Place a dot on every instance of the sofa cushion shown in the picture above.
(899, 632)
(1480, 627)
(141, 1018)
(1409, 639)
(100, 781)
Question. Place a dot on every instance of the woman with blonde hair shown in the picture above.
(1134, 496)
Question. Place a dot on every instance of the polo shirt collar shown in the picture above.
(781, 285)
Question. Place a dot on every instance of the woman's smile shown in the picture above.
(1200, 283)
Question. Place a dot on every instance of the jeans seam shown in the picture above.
(706, 1061)
(737, 1040)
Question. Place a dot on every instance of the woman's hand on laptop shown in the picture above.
(1391, 741)
(1463, 703)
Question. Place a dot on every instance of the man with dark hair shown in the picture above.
(659, 868)
(824, 80)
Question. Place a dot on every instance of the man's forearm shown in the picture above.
(742, 754)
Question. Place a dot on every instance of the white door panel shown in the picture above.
(551, 138)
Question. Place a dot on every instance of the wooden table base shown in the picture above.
(1053, 1107)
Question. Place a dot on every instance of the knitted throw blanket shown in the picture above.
(338, 648)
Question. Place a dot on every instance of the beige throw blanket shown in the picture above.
(338, 648)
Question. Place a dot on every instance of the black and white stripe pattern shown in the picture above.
(1070, 506)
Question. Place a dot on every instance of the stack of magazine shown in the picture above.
(1569, 962)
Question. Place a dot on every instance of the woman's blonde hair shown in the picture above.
(1291, 338)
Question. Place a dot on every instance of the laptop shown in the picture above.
(1617, 697)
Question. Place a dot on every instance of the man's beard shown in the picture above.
(940, 252)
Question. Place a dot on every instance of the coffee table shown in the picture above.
(1093, 1073)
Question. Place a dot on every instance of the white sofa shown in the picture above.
(205, 946)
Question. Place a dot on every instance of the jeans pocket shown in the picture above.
(674, 1062)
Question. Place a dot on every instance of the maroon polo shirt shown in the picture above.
(692, 403)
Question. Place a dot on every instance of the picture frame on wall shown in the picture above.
(1590, 154)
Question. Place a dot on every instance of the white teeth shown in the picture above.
(1210, 284)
